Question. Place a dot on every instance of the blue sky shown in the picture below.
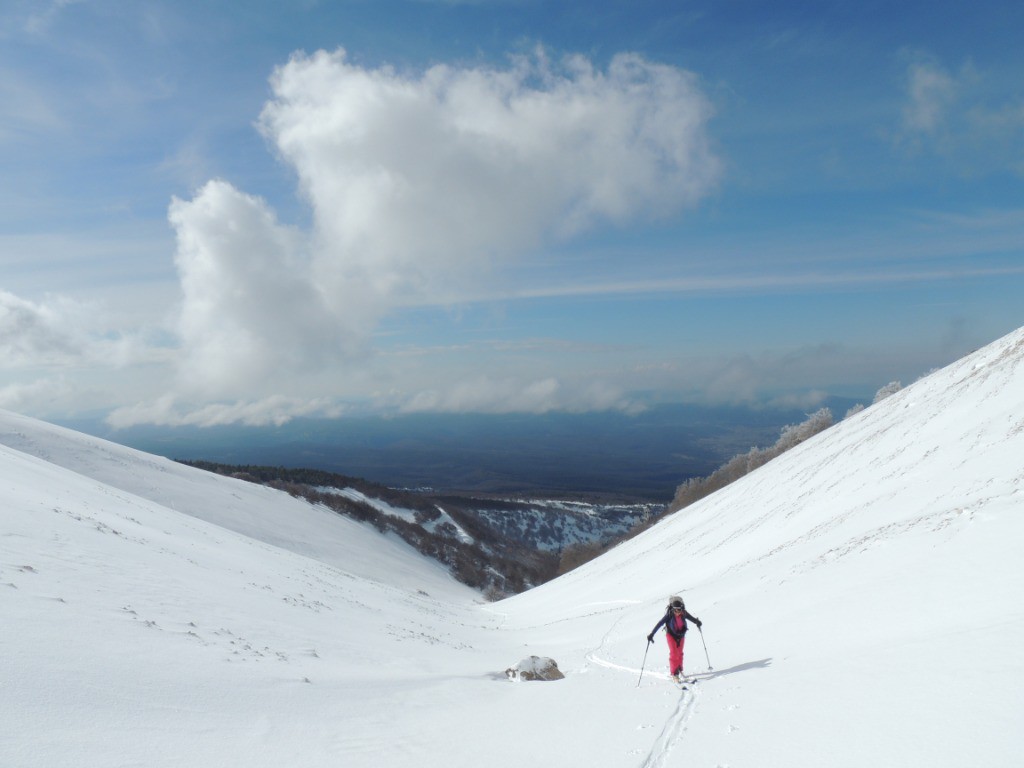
(222, 212)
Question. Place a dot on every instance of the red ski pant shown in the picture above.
(675, 653)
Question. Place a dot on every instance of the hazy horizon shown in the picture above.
(645, 455)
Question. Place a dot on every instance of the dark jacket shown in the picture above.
(670, 623)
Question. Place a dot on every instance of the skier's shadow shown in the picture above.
(713, 673)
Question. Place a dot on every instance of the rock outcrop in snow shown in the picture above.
(534, 668)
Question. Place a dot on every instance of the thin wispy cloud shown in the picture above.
(958, 114)
(23, 109)
(931, 92)
(758, 284)
(45, 13)
(171, 410)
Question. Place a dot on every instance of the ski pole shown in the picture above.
(643, 663)
(710, 668)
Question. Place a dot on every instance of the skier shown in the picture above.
(675, 633)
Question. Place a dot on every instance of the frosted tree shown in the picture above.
(791, 435)
(887, 391)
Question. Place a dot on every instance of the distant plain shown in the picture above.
(641, 457)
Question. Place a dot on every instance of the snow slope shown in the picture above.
(858, 593)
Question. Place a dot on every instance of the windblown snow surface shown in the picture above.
(860, 598)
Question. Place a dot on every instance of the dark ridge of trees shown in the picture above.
(699, 487)
(790, 437)
(742, 464)
(738, 466)
(315, 478)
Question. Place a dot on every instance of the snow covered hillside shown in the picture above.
(858, 597)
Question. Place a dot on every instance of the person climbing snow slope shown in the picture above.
(674, 622)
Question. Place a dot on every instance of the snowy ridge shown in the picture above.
(159, 616)
(259, 513)
(408, 515)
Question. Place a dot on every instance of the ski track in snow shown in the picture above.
(675, 726)
(674, 729)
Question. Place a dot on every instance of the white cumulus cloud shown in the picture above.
(412, 176)
(417, 182)
(250, 310)
(34, 333)
(60, 333)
